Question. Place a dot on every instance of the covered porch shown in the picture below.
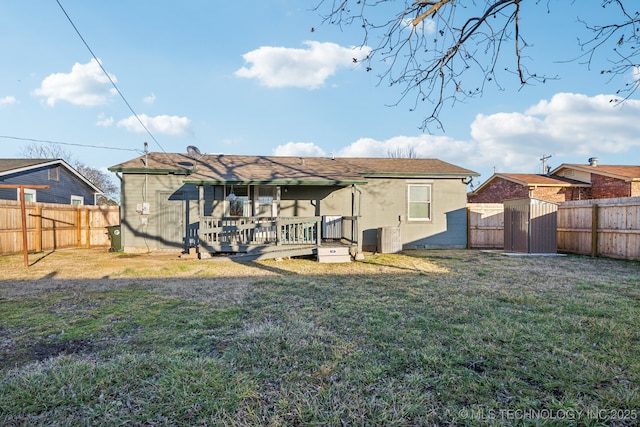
(278, 218)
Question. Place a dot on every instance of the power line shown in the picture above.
(68, 143)
(109, 77)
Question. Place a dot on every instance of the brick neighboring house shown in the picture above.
(607, 181)
(505, 186)
(566, 182)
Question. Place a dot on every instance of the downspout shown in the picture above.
(356, 227)
(121, 178)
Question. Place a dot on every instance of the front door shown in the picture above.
(171, 220)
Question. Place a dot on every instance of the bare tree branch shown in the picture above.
(100, 179)
(446, 51)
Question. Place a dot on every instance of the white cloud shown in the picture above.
(569, 125)
(307, 149)
(104, 121)
(426, 26)
(573, 127)
(85, 85)
(306, 68)
(424, 146)
(8, 100)
(163, 124)
(149, 99)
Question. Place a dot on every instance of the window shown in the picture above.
(419, 198)
(29, 195)
(265, 201)
(239, 206)
(237, 202)
(54, 173)
(77, 200)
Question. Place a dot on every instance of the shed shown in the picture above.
(530, 226)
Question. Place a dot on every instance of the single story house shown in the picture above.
(605, 181)
(249, 204)
(66, 185)
(566, 182)
(505, 186)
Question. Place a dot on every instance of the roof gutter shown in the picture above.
(274, 182)
(418, 175)
(153, 171)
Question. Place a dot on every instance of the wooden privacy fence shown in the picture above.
(600, 227)
(54, 226)
(485, 225)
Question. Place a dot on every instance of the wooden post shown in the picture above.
(25, 241)
(319, 231)
(594, 230)
(87, 216)
(78, 227)
(468, 227)
(38, 236)
(23, 211)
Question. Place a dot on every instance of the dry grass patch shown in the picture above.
(423, 338)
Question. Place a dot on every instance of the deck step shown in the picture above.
(268, 252)
(334, 254)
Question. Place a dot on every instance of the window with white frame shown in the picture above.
(29, 195)
(419, 202)
(77, 200)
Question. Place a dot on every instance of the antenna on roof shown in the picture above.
(545, 169)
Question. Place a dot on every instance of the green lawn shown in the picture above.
(425, 338)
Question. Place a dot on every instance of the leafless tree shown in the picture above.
(446, 51)
(402, 153)
(49, 151)
(100, 179)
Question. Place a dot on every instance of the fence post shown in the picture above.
(468, 227)
(87, 216)
(38, 232)
(78, 228)
(594, 230)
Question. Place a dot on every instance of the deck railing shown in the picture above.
(260, 231)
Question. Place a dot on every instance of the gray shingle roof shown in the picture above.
(238, 168)
(7, 165)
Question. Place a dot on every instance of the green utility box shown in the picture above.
(115, 236)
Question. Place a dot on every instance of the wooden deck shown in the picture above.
(263, 238)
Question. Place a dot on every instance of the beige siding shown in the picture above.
(384, 204)
(143, 232)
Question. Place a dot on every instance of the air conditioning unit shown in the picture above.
(332, 227)
(389, 240)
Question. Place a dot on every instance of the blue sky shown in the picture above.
(254, 79)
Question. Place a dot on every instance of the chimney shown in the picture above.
(593, 161)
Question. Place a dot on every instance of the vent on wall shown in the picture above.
(331, 227)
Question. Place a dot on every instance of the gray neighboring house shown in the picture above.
(67, 186)
(289, 205)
